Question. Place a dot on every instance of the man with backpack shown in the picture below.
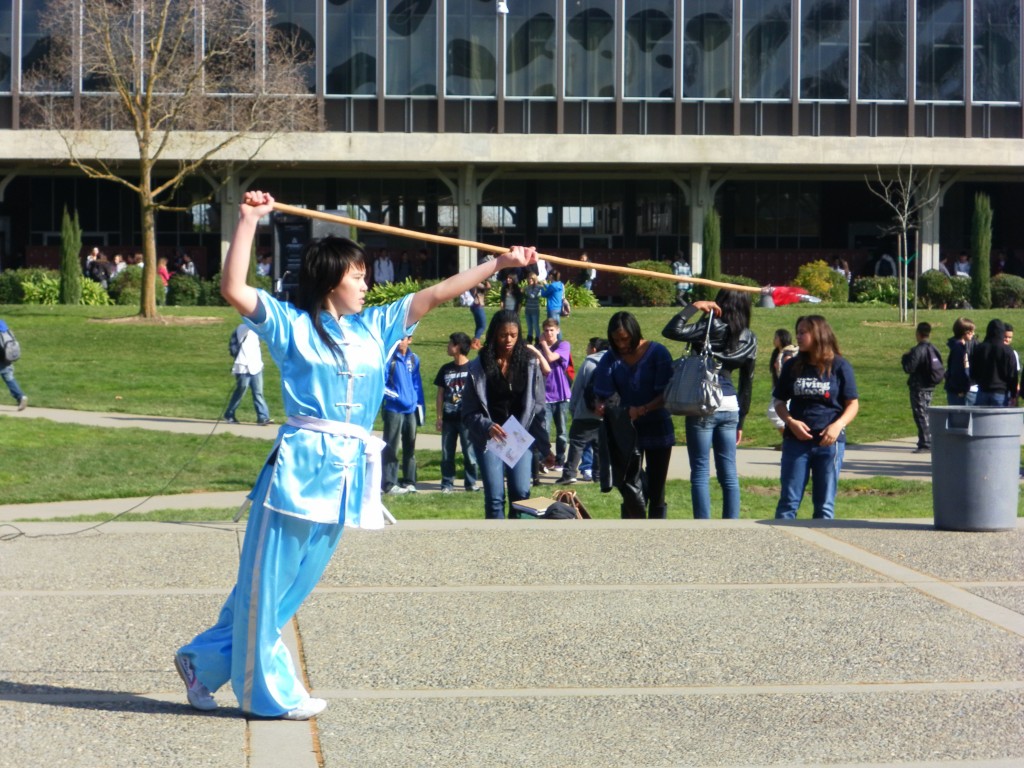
(923, 363)
(10, 351)
(244, 347)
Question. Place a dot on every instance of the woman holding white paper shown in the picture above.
(506, 381)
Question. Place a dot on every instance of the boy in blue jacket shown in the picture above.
(403, 411)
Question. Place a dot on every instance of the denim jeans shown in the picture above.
(583, 435)
(479, 321)
(7, 374)
(494, 472)
(991, 399)
(558, 413)
(533, 324)
(244, 381)
(802, 459)
(399, 427)
(716, 432)
(452, 430)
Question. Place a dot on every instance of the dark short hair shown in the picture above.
(460, 340)
(625, 321)
(924, 329)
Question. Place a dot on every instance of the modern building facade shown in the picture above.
(602, 125)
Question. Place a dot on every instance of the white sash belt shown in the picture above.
(372, 513)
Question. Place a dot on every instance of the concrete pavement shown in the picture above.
(529, 643)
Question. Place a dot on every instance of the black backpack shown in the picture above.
(935, 374)
(9, 346)
(235, 342)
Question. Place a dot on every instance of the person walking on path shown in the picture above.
(816, 398)
(248, 370)
(733, 345)
(403, 411)
(993, 366)
(451, 381)
(9, 347)
(629, 386)
(323, 471)
(923, 363)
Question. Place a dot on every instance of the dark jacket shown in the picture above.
(742, 357)
(918, 363)
(958, 374)
(476, 414)
(993, 367)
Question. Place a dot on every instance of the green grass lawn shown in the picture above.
(857, 499)
(98, 358)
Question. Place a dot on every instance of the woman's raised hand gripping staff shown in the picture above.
(349, 296)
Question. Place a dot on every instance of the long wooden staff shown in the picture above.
(398, 231)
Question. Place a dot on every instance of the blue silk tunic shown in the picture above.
(316, 475)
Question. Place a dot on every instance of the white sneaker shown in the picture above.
(23, 403)
(309, 708)
(397, 490)
(410, 489)
(199, 695)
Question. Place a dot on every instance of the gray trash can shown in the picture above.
(975, 467)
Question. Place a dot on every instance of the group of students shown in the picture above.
(981, 374)
(324, 471)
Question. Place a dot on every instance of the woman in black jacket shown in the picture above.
(734, 345)
(993, 367)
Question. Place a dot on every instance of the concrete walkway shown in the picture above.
(528, 643)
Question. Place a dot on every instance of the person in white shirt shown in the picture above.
(248, 370)
(384, 268)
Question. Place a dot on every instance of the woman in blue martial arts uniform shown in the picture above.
(323, 472)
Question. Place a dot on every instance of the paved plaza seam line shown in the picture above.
(696, 690)
(518, 693)
(943, 591)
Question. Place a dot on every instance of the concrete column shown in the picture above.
(929, 222)
(700, 200)
(468, 200)
(230, 196)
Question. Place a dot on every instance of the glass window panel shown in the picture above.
(882, 65)
(411, 64)
(767, 46)
(707, 49)
(590, 50)
(648, 50)
(530, 48)
(296, 21)
(997, 50)
(471, 48)
(5, 48)
(36, 45)
(940, 50)
(350, 49)
(824, 50)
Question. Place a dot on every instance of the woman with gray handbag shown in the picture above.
(725, 328)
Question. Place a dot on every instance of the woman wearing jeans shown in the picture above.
(506, 379)
(734, 345)
(821, 393)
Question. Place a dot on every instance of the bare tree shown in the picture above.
(906, 193)
(185, 78)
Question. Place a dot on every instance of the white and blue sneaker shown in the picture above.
(199, 695)
(309, 708)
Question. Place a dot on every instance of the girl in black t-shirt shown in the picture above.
(816, 398)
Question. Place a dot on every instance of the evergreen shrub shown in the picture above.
(934, 289)
(1007, 292)
(648, 291)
